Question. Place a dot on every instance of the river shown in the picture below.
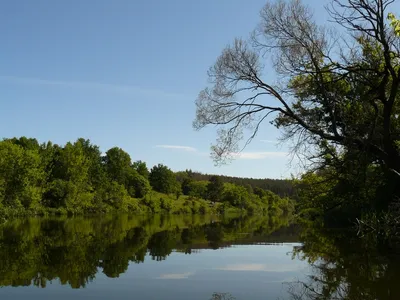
(189, 257)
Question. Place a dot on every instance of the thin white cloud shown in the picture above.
(176, 275)
(244, 267)
(127, 89)
(269, 141)
(177, 147)
(262, 267)
(259, 155)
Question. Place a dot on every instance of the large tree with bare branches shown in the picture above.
(336, 90)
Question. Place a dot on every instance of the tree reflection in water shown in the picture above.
(346, 266)
(222, 296)
(73, 250)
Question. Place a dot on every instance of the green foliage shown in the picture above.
(96, 172)
(235, 195)
(178, 191)
(24, 142)
(56, 193)
(339, 198)
(277, 186)
(117, 164)
(197, 189)
(137, 185)
(141, 168)
(69, 185)
(394, 23)
(115, 195)
(76, 179)
(312, 193)
(340, 111)
(166, 204)
(153, 202)
(21, 176)
(215, 189)
(204, 208)
(162, 179)
(185, 184)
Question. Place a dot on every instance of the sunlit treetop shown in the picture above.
(395, 23)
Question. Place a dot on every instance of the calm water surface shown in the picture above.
(185, 257)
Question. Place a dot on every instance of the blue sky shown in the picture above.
(125, 73)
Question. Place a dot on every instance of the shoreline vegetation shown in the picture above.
(77, 179)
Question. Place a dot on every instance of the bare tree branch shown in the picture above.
(323, 91)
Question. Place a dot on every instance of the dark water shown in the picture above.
(185, 257)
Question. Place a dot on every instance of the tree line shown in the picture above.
(77, 178)
(281, 187)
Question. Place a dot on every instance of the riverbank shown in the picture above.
(78, 179)
(153, 203)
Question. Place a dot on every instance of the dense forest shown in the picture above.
(78, 179)
(337, 103)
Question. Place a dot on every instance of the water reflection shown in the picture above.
(74, 251)
(222, 296)
(315, 263)
(346, 266)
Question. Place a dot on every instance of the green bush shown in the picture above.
(203, 209)
(195, 207)
(139, 186)
(153, 203)
(133, 205)
(115, 195)
(166, 204)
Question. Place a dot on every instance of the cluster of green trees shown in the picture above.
(78, 178)
(35, 251)
(75, 177)
(338, 101)
(234, 195)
